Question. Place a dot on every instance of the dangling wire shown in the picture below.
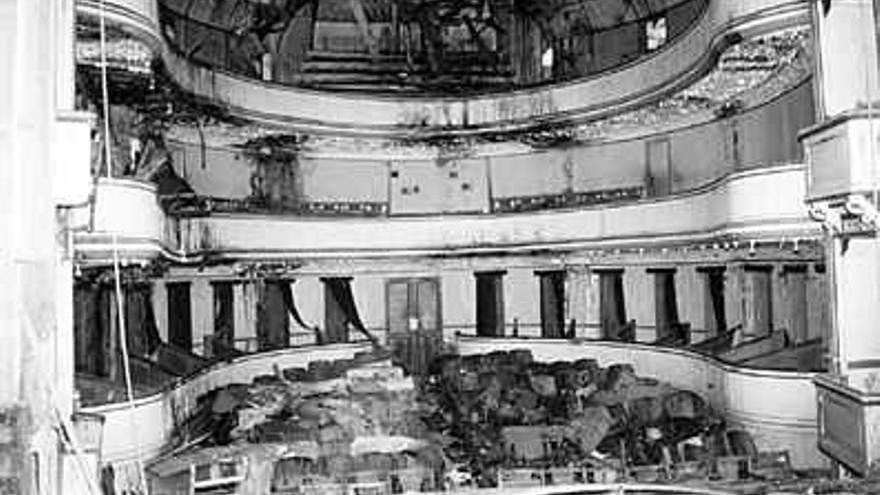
(126, 363)
(117, 277)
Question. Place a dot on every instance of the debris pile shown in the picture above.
(483, 420)
(337, 419)
(505, 411)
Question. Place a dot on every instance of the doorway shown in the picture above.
(415, 331)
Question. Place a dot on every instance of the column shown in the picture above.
(842, 193)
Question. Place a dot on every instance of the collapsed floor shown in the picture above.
(500, 419)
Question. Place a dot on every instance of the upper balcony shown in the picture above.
(197, 53)
(633, 179)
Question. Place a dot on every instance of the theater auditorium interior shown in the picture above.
(369, 247)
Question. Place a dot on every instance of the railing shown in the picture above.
(195, 205)
(754, 204)
(221, 47)
(637, 83)
(787, 422)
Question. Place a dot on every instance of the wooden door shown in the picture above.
(414, 323)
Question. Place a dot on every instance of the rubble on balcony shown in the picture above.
(479, 421)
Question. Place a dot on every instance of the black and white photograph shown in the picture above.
(450, 247)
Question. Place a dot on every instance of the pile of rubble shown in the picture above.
(349, 409)
(505, 411)
(479, 420)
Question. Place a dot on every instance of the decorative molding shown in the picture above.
(567, 199)
(675, 66)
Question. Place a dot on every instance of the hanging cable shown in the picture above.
(105, 92)
(126, 363)
(117, 277)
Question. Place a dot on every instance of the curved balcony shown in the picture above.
(787, 423)
(125, 218)
(670, 68)
(140, 17)
(625, 158)
(140, 432)
(757, 204)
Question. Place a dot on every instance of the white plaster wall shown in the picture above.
(638, 294)
(607, 165)
(847, 55)
(699, 154)
(522, 301)
(459, 304)
(577, 286)
(515, 175)
(308, 295)
(224, 172)
(159, 300)
(128, 208)
(245, 313)
(733, 299)
(340, 179)
(754, 203)
(369, 295)
(593, 329)
(769, 135)
(690, 297)
(202, 305)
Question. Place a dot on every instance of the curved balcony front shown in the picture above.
(652, 77)
(744, 206)
(139, 432)
(126, 224)
(140, 17)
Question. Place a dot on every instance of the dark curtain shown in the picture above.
(88, 329)
(552, 304)
(490, 305)
(273, 324)
(339, 290)
(715, 285)
(665, 305)
(612, 307)
(290, 304)
(142, 334)
(105, 336)
(335, 320)
(223, 340)
(179, 315)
